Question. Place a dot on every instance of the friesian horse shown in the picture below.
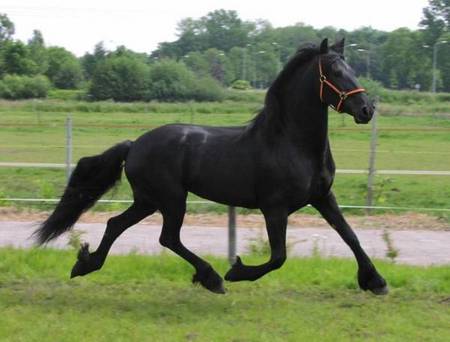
(278, 163)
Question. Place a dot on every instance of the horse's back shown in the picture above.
(209, 161)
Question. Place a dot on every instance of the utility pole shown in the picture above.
(372, 155)
(68, 147)
(367, 61)
(435, 51)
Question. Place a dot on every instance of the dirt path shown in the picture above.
(389, 221)
(416, 247)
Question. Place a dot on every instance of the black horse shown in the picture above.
(280, 162)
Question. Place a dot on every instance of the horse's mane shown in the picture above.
(271, 114)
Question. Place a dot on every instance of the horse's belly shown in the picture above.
(233, 191)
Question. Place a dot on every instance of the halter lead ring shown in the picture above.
(343, 95)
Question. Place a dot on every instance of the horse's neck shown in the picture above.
(308, 122)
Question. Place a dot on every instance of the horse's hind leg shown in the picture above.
(173, 216)
(89, 262)
(276, 222)
(368, 277)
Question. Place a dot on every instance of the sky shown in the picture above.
(141, 24)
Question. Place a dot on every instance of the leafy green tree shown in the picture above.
(443, 62)
(216, 62)
(16, 59)
(197, 62)
(121, 78)
(64, 69)
(6, 28)
(38, 52)
(234, 66)
(403, 56)
(69, 75)
(173, 81)
(169, 81)
(224, 29)
(436, 20)
(90, 61)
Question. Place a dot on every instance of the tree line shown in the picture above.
(221, 50)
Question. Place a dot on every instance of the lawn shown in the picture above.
(144, 298)
(411, 137)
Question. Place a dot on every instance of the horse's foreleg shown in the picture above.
(276, 222)
(368, 277)
(89, 262)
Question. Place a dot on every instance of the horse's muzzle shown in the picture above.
(364, 115)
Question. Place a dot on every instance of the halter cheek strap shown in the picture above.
(343, 95)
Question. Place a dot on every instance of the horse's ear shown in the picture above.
(324, 46)
(339, 46)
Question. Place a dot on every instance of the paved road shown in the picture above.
(416, 247)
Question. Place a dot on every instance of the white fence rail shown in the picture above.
(341, 171)
(54, 200)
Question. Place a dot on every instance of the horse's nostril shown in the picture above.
(367, 111)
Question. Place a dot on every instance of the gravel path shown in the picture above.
(416, 247)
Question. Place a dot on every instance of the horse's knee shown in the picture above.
(278, 261)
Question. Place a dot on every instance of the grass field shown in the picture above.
(141, 298)
(414, 136)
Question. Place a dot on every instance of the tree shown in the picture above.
(121, 78)
(224, 29)
(216, 63)
(6, 28)
(436, 20)
(90, 61)
(443, 62)
(16, 59)
(173, 81)
(197, 62)
(64, 69)
(404, 59)
(38, 52)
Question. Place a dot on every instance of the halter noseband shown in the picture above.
(342, 94)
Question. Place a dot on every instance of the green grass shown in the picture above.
(401, 191)
(33, 131)
(141, 298)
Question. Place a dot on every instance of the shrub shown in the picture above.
(173, 81)
(169, 81)
(120, 78)
(69, 75)
(16, 87)
(241, 85)
(64, 69)
(207, 89)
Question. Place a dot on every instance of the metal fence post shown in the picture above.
(232, 234)
(68, 146)
(372, 155)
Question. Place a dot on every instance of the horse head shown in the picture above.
(338, 86)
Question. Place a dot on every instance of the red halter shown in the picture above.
(342, 94)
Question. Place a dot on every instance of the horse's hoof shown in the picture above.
(381, 291)
(86, 262)
(371, 280)
(210, 280)
(219, 289)
(76, 270)
(233, 273)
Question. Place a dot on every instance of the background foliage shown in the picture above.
(219, 49)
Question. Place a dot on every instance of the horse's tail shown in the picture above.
(92, 177)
